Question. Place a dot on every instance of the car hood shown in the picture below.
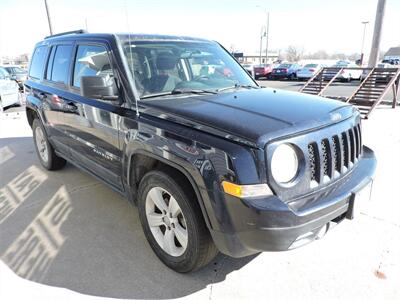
(250, 116)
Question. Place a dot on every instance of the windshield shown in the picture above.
(311, 66)
(160, 67)
(285, 66)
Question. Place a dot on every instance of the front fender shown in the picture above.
(204, 160)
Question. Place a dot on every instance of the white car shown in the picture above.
(346, 74)
(9, 90)
(249, 68)
(309, 70)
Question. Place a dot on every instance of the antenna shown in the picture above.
(135, 93)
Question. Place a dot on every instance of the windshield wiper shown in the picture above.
(237, 86)
(179, 92)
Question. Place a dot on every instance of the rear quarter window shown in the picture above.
(38, 62)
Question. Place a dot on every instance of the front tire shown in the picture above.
(45, 151)
(173, 223)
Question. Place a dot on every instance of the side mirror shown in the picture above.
(99, 87)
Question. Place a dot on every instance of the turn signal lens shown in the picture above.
(246, 191)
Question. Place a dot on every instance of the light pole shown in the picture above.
(362, 43)
(48, 17)
(267, 38)
(262, 34)
(266, 34)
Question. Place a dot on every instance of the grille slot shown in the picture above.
(352, 146)
(313, 159)
(326, 158)
(337, 157)
(334, 155)
(345, 147)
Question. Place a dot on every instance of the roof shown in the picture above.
(394, 51)
(131, 36)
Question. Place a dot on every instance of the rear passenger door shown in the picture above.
(48, 83)
(92, 124)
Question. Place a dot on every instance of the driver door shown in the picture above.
(92, 124)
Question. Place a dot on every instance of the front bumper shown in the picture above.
(269, 224)
(304, 76)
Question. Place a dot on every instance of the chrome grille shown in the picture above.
(334, 155)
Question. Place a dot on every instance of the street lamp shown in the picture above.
(48, 17)
(362, 43)
(267, 38)
(263, 34)
(266, 35)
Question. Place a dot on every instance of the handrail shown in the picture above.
(391, 82)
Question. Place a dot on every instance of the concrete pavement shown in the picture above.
(66, 229)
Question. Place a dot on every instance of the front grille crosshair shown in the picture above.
(334, 155)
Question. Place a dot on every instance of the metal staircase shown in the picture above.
(369, 94)
(320, 81)
(374, 88)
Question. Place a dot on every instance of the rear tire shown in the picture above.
(173, 223)
(45, 151)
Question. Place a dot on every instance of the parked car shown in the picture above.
(249, 68)
(308, 71)
(213, 162)
(349, 74)
(263, 70)
(285, 70)
(384, 65)
(17, 74)
(391, 61)
(9, 94)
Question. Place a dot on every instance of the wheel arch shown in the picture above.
(141, 161)
(31, 114)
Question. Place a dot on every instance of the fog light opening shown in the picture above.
(310, 236)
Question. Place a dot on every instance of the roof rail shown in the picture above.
(80, 31)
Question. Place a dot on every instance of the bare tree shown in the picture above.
(320, 54)
(341, 56)
(353, 56)
(294, 53)
(232, 48)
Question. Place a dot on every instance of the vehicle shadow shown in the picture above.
(69, 230)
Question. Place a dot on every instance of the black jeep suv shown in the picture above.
(213, 161)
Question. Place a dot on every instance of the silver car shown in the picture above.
(9, 90)
(309, 71)
(18, 74)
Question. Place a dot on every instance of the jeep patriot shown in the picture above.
(213, 162)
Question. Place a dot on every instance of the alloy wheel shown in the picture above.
(166, 221)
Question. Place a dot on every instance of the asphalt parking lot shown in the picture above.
(66, 229)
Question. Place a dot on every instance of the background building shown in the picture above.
(392, 54)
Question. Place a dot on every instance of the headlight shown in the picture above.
(284, 163)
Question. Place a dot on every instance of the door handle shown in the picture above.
(71, 106)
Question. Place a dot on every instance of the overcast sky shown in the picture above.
(331, 25)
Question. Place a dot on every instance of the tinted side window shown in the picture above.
(38, 62)
(62, 60)
(91, 61)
